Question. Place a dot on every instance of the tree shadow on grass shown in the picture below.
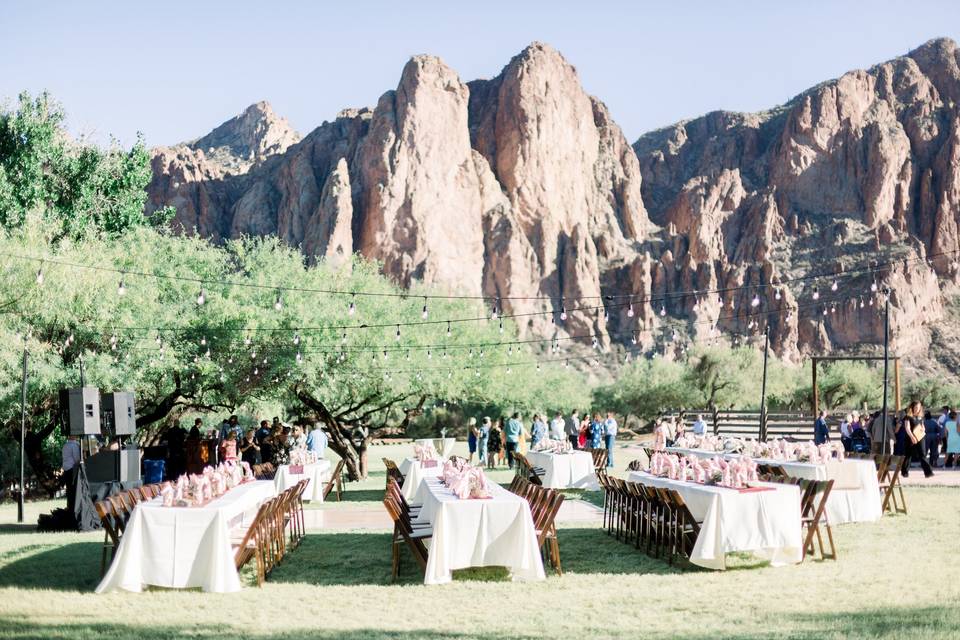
(927, 623)
(63, 567)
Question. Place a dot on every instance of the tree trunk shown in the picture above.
(338, 434)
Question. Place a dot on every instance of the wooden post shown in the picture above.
(896, 384)
(816, 390)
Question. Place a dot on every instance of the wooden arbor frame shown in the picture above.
(896, 376)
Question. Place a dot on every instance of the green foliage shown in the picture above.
(933, 392)
(80, 188)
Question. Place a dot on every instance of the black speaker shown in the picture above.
(119, 414)
(80, 409)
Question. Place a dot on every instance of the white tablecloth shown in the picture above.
(180, 547)
(766, 523)
(856, 493)
(444, 446)
(566, 470)
(478, 533)
(317, 473)
(414, 473)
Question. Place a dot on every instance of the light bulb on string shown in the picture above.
(246, 341)
(385, 354)
(429, 355)
(296, 339)
(777, 294)
(663, 310)
(834, 286)
(816, 293)
(756, 301)
(501, 325)
(203, 341)
(352, 309)
(278, 305)
(343, 338)
(208, 353)
(230, 360)
(201, 298)
(40, 275)
(398, 333)
(424, 314)
(449, 332)
(158, 340)
(121, 289)
(630, 311)
(563, 310)
(873, 286)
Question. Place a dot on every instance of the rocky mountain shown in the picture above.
(522, 189)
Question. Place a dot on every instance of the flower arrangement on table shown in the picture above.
(552, 446)
(424, 452)
(196, 490)
(301, 457)
(786, 451)
(734, 473)
(464, 480)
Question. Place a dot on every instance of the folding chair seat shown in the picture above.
(252, 542)
(688, 527)
(402, 531)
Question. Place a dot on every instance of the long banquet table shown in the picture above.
(766, 522)
(316, 474)
(573, 470)
(856, 492)
(478, 533)
(414, 473)
(182, 547)
(444, 446)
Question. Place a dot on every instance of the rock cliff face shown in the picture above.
(522, 189)
(859, 169)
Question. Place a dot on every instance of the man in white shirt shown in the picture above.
(609, 436)
(70, 461)
(556, 427)
(699, 427)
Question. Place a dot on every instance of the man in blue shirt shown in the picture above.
(821, 432)
(512, 432)
(263, 431)
(317, 441)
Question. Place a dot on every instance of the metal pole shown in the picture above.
(886, 367)
(763, 386)
(23, 438)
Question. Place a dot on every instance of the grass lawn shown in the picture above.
(898, 578)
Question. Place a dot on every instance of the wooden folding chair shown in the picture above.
(335, 481)
(688, 528)
(813, 515)
(546, 527)
(402, 530)
(252, 545)
(888, 475)
(111, 535)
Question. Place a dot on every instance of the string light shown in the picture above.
(449, 332)
(777, 294)
(40, 275)
(563, 310)
(834, 286)
(425, 313)
(202, 297)
(663, 310)
(296, 339)
(630, 311)
(353, 305)
(278, 305)
(121, 289)
(756, 301)
(816, 293)
(398, 333)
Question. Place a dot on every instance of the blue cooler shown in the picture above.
(152, 471)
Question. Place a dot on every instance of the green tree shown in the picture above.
(80, 188)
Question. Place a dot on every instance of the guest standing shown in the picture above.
(249, 450)
(538, 431)
(483, 441)
(317, 441)
(699, 426)
(70, 459)
(952, 432)
(512, 436)
(821, 431)
(882, 434)
(911, 442)
(609, 436)
(934, 433)
(557, 427)
(573, 430)
(846, 430)
(582, 437)
(195, 450)
(493, 446)
(471, 438)
(596, 431)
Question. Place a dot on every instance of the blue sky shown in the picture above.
(174, 70)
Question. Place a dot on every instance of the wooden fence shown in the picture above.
(748, 424)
